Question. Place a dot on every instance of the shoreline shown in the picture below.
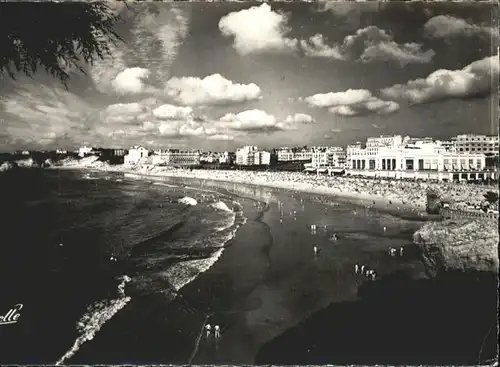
(393, 206)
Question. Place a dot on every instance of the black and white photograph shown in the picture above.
(249, 183)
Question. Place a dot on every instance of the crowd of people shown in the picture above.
(395, 192)
(461, 196)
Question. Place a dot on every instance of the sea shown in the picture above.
(78, 246)
(117, 268)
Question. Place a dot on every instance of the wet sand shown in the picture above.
(266, 282)
(450, 320)
(284, 283)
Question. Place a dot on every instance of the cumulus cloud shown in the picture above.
(258, 29)
(258, 121)
(299, 118)
(348, 9)
(171, 112)
(474, 79)
(372, 43)
(316, 46)
(251, 120)
(445, 26)
(131, 81)
(213, 89)
(347, 97)
(122, 112)
(367, 44)
(221, 137)
(352, 102)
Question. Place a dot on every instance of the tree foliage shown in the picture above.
(433, 203)
(54, 36)
(491, 197)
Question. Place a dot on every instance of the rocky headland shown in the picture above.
(469, 244)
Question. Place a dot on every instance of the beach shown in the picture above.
(399, 195)
(267, 287)
(266, 281)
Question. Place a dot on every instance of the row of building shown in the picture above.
(390, 156)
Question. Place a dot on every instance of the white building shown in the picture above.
(262, 158)
(419, 158)
(135, 154)
(251, 155)
(245, 156)
(474, 143)
(225, 158)
(83, 151)
(329, 157)
(176, 158)
(286, 154)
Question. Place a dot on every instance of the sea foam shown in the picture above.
(95, 317)
(220, 205)
(187, 200)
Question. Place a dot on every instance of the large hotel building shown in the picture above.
(398, 157)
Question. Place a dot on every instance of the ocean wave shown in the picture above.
(220, 205)
(164, 184)
(188, 201)
(184, 272)
(95, 317)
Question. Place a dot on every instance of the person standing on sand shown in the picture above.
(356, 268)
(217, 331)
(208, 328)
(363, 269)
(401, 251)
(315, 249)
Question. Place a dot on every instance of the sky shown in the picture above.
(216, 76)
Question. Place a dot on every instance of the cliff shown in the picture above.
(462, 245)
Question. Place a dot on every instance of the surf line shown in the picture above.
(198, 339)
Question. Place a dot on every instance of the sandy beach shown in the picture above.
(266, 281)
(395, 195)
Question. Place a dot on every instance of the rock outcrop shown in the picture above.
(462, 245)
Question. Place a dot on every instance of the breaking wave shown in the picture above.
(188, 201)
(220, 205)
(96, 316)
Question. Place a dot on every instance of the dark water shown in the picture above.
(79, 304)
(59, 231)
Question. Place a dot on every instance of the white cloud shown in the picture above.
(39, 115)
(257, 29)
(212, 89)
(474, 79)
(123, 113)
(347, 97)
(315, 46)
(251, 120)
(221, 137)
(157, 32)
(170, 112)
(299, 118)
(131, 81)
(348, 9)
(367, 44)
(352, 102)
(372, 43)
(444, 26)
